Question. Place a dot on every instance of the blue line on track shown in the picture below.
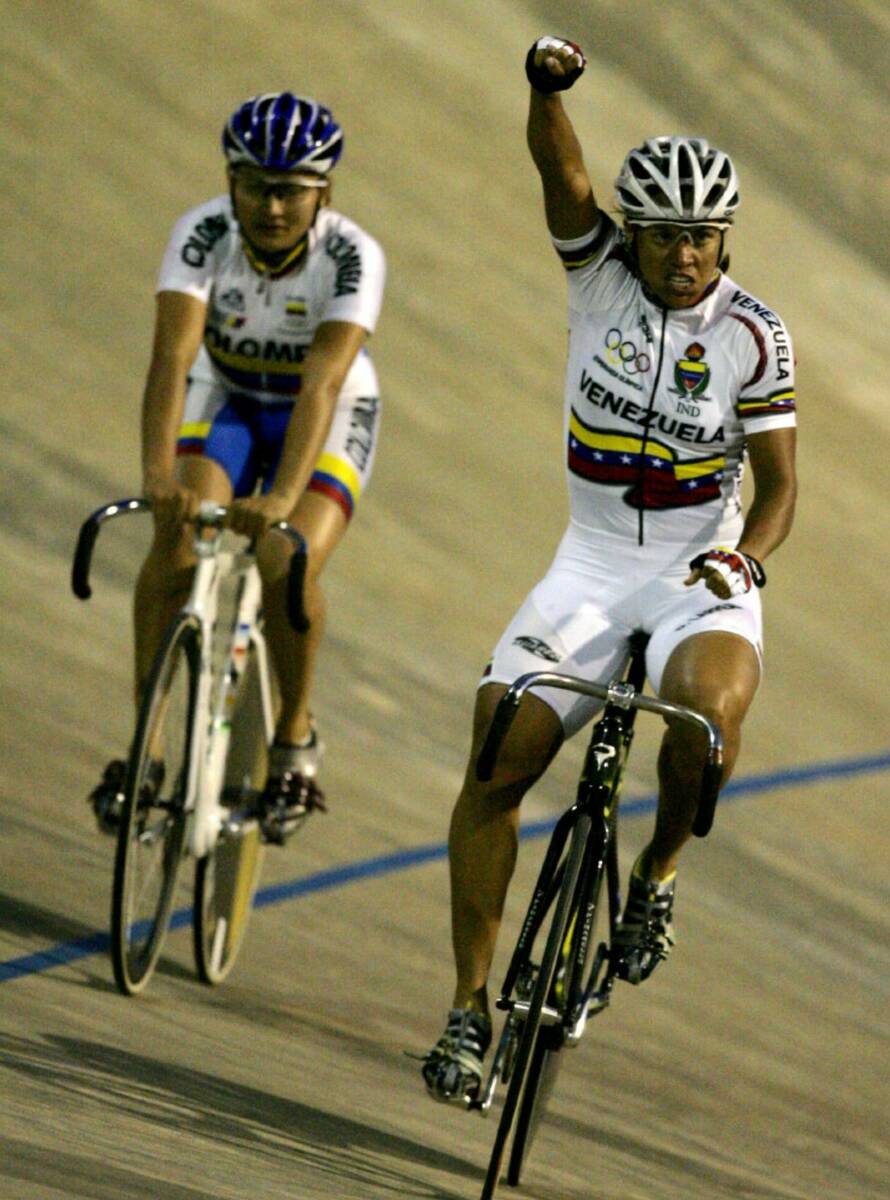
(401, 860)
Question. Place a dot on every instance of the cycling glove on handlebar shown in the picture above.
(740, 571)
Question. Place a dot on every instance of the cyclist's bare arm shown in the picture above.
(179, 330)
(768, 522)
(569, 202)
(333, 350)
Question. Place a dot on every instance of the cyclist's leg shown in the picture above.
(214, 447)
(482, 852)
(567, 624)
(322, 516)
(165, 577)
(716, 673)
(483, 836)
(322, 522)
(703, 654)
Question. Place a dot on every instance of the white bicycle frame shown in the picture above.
(210, 737)
(211, 731)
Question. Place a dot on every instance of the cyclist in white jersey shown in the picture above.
(675, 377)
(260, 379)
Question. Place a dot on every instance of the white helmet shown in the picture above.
(682, 180)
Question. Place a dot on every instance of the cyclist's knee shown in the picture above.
(274, 573)
(525, 753)
(273, 557)
(167, 570)
(172, 549)
(684, 746)
(725, 708)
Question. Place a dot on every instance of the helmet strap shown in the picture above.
(722, 257)
(282, 261)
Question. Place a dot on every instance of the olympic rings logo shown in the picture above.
(624, 353)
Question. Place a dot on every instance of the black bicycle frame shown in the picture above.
(598, 797)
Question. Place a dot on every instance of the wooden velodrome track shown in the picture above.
(755, 1063)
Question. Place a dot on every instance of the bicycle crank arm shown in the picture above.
(593, 1005)
(481, 1102)
(549, 1016)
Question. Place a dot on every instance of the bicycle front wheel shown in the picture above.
(546, 1058)
(522, 1079)
(152, 831)
(226, 878)
(540, 1078)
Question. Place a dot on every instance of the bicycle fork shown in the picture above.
(599, 794)
(214, 738)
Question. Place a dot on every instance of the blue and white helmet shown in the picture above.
(283, 132)
(681, 180)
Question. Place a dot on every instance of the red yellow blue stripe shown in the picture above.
(338, 480)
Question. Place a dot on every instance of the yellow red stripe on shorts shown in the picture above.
(338, 479)
(192, 436)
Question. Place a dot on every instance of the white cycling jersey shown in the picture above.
(260, 324)
(659, 401)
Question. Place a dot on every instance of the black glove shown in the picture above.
(542, 79)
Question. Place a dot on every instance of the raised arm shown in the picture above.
(552, 65)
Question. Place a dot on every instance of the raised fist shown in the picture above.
(553, 64)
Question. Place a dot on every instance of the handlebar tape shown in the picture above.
(500, 723)
(83, 554)
(710, 786)
(295, 579)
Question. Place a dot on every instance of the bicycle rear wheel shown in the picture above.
(152, 831)
(521, 1076)
(226, 878)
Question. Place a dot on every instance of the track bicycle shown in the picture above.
(551, 990)
(205, 720)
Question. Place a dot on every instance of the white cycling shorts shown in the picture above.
(598, 591)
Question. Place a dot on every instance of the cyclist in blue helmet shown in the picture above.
(261, 394)
(283, 132)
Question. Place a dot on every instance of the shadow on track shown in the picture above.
(218, 1110)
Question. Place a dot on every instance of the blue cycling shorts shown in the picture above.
(246, 437)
